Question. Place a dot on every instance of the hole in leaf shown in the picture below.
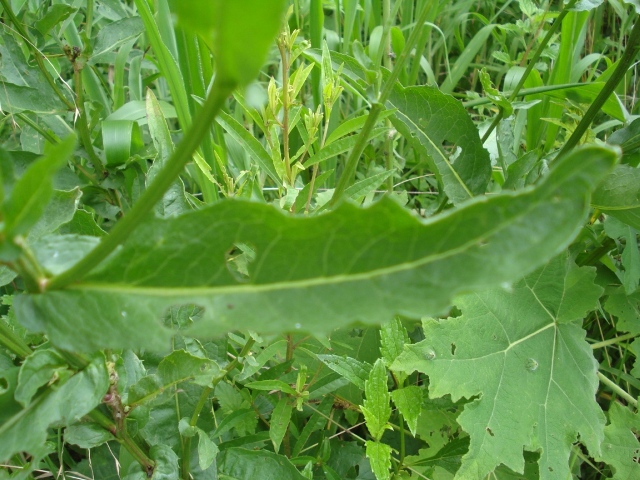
(490, 432)
(238, 258)
(4, 385)
(453, 349)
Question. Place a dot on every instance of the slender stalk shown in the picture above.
(524, 92)
(286, 105)
(386, 60)
(628, 57)
(532, 63)
(39, 57)
(89, 18)
(164, 179)
(204, 396)
(81, 124)
(613, 341)
(136, 451)
(346, 179)
(617, 390)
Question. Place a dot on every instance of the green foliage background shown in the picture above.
(339, 239)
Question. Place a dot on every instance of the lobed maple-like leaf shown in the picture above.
(521, 352)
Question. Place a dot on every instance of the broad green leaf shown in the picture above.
(166, 465)
(630, 257)
(24, 87)
(627, 309)
(376, 407)
(379, 455)
(114, 34)
(352, 369)
(175, 368)
(241, 464)
(628, 139)
(621, 447)
(241, 32)
(409, 403)
(207, 450)
(87, 435)
(42, 368)
(60, 405)
(57, 253)
(33, 190)
(279, 422)
(432, 122)
(523, 353)
(60, 210)
(619, 195)
(318, 273)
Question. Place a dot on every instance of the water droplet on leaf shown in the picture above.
(531, 365)
(123, 314)
(430, 354)
(298, 326)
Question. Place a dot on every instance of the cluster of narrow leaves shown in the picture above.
(190, 337)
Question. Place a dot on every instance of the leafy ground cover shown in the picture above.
(340, 239)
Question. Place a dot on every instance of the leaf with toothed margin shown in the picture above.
(313, 273)
(522, 353)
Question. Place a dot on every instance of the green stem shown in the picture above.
(386, 60)
(204, 396)
(628, 57)
(164, 179)
(346, 179)
(616, 389)
(82, 125)
(13, 342)
(284, 54)
(613, 341)
(136, 451)
(524, 92)
(39, 57)
(89, 18)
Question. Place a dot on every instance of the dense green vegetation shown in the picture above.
(339, 239)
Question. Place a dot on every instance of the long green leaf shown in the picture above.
(430, 120)
(314, 274)
(62, 404)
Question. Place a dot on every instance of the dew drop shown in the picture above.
(430, 354)
(298, 326)
(55, 255)
(531, 365)
(123, 314)
(507, 287)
